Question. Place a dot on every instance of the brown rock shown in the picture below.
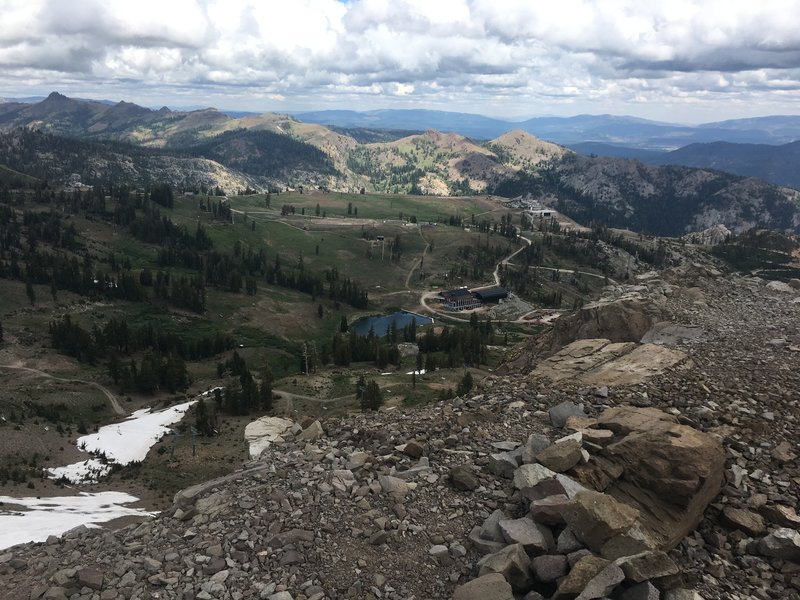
(549, 510)
(744, 520)
(492, 585)
(579, 576)
(595, 518)
(511, 562)
(783, 452)
(561, 456)
(671, 472)
(647, 565)
(463, 478)
(544, 489)
(413, 449)
(785, 516)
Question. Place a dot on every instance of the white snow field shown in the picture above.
(43, 517)
(121, 443)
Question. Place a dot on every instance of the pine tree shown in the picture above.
(372, 398)
(31, 293)
(203, 420)
(465, 385)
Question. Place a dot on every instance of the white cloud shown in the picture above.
(522, 55)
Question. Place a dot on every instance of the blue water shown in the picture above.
(380, 323)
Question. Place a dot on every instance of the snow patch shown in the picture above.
(420, 372)
(121, 443)
(43, 517)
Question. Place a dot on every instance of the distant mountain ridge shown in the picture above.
(127, 143)
(609, 129)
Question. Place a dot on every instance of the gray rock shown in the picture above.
(491, 585)
(463, 478)
(561, 412)
(744, 520)
(91, 578)
(529, 475)
(567, 542)
(511, 562)
(647, 565)
(641, 591)
(502, 464)
(535, 538)
(490, 530)
(312, 432)
(484, 546)
(783, 543)
(549, 567)
(571, 487)
(535, 443)
(602, 584)
(393, 485)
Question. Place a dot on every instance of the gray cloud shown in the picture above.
(515, 56)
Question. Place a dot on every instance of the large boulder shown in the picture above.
(667, 471)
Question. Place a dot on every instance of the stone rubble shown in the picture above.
(451, 500)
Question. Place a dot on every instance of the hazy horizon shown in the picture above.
(691, 62)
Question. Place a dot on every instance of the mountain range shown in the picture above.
(102, 143)
(607, 129)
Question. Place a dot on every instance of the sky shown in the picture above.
(683, 61)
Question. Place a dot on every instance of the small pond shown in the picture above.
(381, 323)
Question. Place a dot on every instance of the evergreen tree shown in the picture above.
(203, 420)
(31, 293)
(373, 397)
(465, 385)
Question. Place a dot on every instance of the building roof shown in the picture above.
(491, 294)
(459, 292)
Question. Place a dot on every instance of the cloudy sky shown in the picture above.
(676, 60)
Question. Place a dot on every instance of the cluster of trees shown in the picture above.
(117, 335)
(243, 394)
(156, 371)
(162, 366)
(369, 395)
(654, 253)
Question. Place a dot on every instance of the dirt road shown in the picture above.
(112, 399)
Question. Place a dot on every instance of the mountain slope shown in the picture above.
(777, 164)
(666, 200)
(56, 159)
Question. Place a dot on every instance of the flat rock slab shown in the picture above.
(601, 362)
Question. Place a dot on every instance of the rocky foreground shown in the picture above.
(661, 465)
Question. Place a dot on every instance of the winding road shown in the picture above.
(112, 399)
